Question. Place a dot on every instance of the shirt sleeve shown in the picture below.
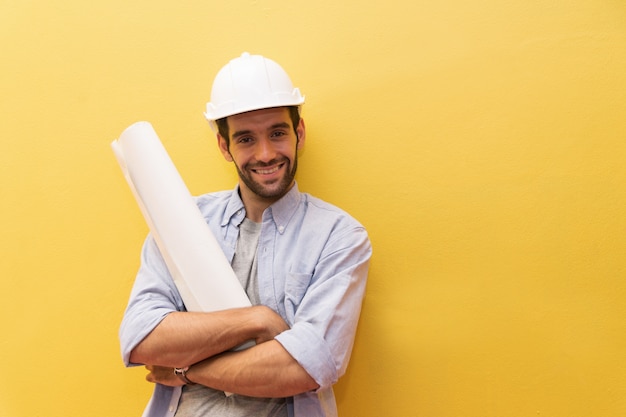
(325, 318)
(152, 298)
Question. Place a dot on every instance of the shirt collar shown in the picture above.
(281, 211)
(234, 208)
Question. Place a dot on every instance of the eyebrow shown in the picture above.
(281, 125)
(241, 133)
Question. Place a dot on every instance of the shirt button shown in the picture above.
(281, 229)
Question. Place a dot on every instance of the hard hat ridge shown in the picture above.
(247, 83)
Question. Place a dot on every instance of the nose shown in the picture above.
(265, 151)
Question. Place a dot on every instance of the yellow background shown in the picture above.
(482, 143)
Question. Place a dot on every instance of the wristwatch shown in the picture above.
(182, 374)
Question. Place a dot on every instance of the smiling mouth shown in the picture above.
(268, 171)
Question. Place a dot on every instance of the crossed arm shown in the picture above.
(203, 341)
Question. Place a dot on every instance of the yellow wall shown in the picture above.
(482, 143)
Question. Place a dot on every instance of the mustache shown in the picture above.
(275, 161)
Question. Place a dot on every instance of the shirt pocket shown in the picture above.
(296, 286)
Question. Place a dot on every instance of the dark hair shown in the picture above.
(222, 124)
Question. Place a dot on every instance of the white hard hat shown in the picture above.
(250, 82)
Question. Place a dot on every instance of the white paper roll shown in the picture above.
(201, 272)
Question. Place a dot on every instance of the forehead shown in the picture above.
(259, 118)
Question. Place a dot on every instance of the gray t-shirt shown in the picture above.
(201, 401)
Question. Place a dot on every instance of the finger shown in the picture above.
(150, 375)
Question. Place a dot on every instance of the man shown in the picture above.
(302, 262)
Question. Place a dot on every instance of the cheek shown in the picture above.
(290, 149)
(241, 159)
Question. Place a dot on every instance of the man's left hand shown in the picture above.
(162, 375)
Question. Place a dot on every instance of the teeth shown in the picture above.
(267, 171)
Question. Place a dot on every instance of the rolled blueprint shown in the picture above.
(200, 270)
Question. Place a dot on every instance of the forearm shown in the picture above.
(265, 370)
(184, 338)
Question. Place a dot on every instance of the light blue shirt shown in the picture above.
(313, 260)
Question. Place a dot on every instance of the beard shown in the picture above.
(272, 191)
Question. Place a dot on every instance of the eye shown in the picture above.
(244, 139)
(278, 134)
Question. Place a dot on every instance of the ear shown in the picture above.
(301, 134)
(222, 144)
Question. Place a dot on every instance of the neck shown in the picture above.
(255, 204)
(255, 209)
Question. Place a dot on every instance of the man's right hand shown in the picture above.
(271, 324)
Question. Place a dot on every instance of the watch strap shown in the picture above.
(182, 374)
